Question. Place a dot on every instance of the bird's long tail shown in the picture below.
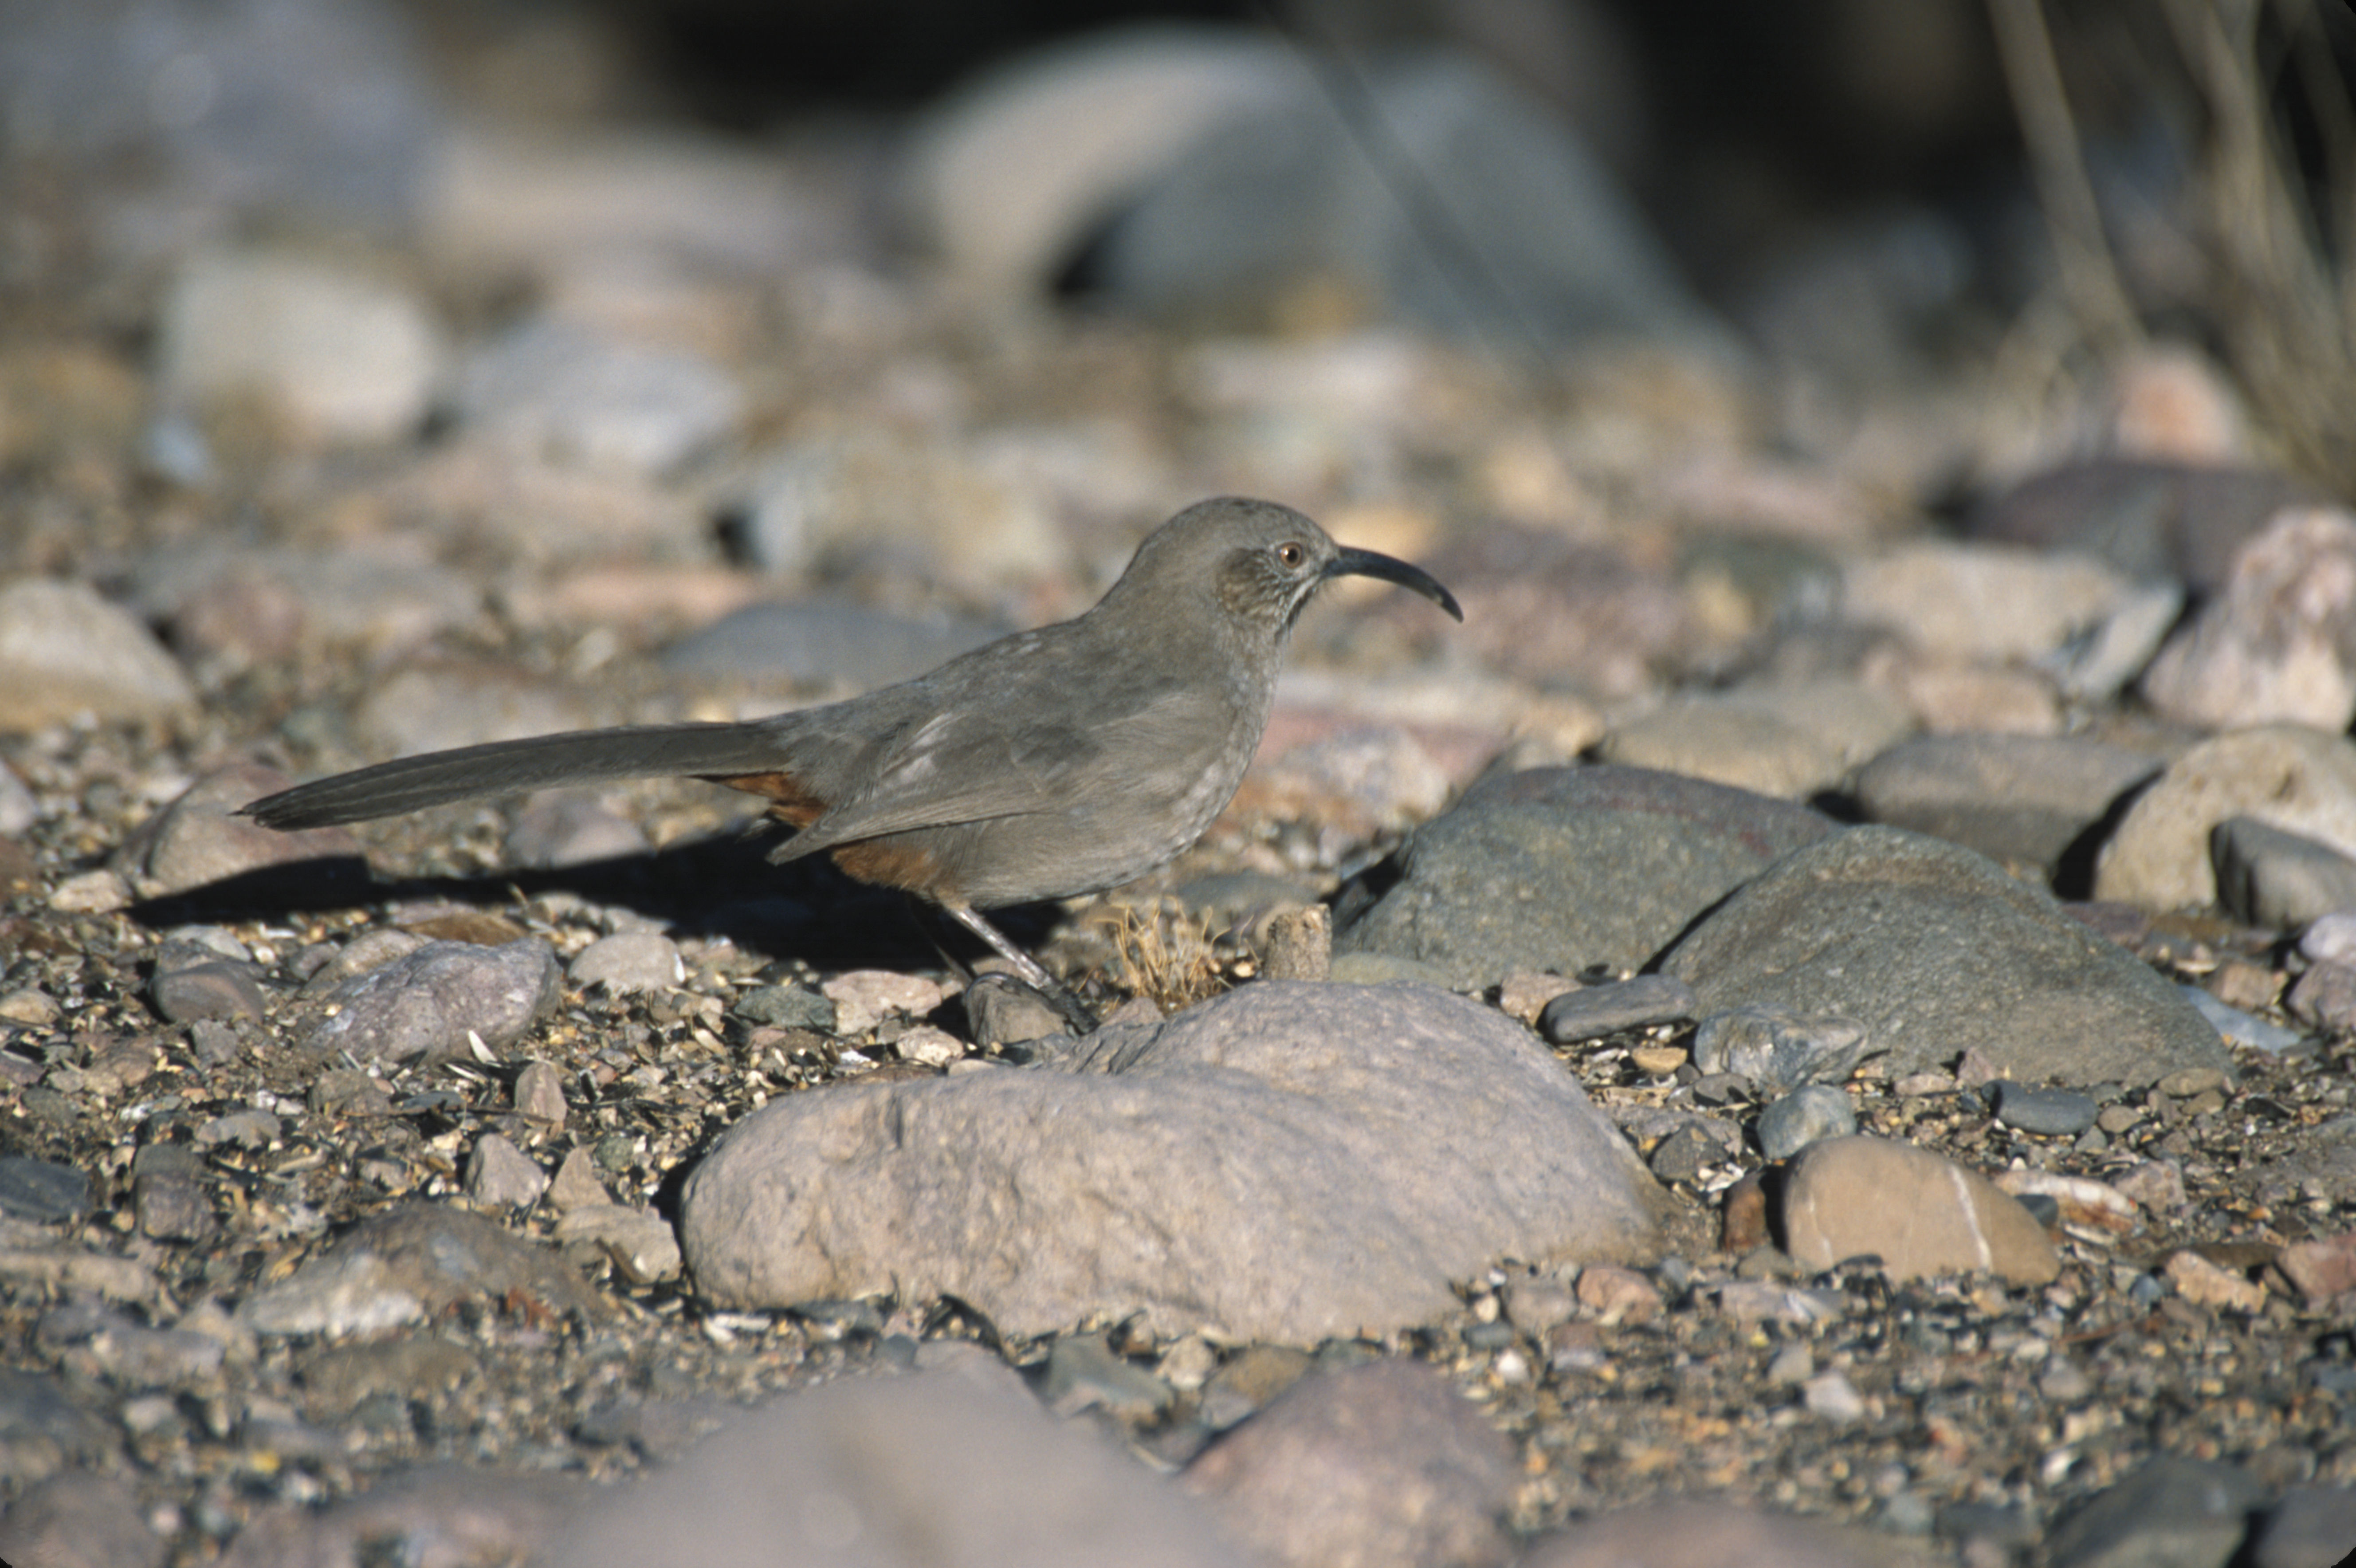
(580, 756)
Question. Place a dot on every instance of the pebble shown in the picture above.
(220, 989)
(628, 963)
(1833, 1397)
(435, 1002)
(2325, 995)
(1727, 742)
(65, 651)
(2054, 1112)
(1778, 1050)
(554, 389)
(2322, 1269)
(786, 1007)
(1083, 1373)
(863, 998)
(1977, 601)
(1617, 1294)
(1807, 1115)
(2236, 1028)
(540, 1093)
(2330, 940)
(18, 807)
(1524, 993)
(1536, 1305)
(501, 1175)
(641, 1243)
(1589, 1013)
(1918, 1211)
(2203, 1284)
(343, 357)
(1002, 1011)
(2273, 646)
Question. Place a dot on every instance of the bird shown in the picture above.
(1048, 764)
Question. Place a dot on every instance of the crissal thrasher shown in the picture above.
(1048, 764)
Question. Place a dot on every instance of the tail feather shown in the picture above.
(580, 756)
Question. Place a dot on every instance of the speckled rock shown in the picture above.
(1558, 869)
(1370, 1145)
(1936, 951)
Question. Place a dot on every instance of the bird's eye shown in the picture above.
(1291, 555)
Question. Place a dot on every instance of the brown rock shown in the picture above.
(196, 840)
(1382, 1465)
(1918, 1211)
(2322, 1269)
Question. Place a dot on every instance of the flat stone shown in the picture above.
(220, 989)
(1727, 743)
(1589, 1013)
(2325, 995)
(629, 963)
(1936, 953)
(431, 1003)
(2011, 797)
(410, 1263)
(863, 998)
(2298, 780)
(1349, 1202)
(65, 651)
(552, 388)
(1919, 1212)
(1984, 602)
(898, 1465)
(1560, 868)
(2183, 1513)
(1778, 1050)
(2266, 876)
(786, 1007)
(2056, 1112)
(1378, 1465)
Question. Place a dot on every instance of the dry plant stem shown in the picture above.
(2291, 316)
(2089, 273)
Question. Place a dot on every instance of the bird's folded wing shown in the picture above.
(972, 766)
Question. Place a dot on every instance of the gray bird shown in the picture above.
(1045, 765)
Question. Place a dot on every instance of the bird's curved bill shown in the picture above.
(1351, 562)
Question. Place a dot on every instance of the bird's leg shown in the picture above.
(1068, 1008)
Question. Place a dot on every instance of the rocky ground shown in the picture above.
(1802, 1032)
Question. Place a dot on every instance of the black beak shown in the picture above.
(1351, 562)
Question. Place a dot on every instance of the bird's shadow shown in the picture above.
(714, 887)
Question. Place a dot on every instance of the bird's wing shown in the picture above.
(971, 767)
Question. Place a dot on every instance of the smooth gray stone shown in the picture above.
(1936, 951)
(2057, 1112)
(1777, 1050)
(2169, 1513)
(2270, 877)
(1594, 1011)
(2010, 797)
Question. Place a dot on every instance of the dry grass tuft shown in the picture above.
(1164, 954)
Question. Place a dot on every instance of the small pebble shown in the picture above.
(2055, 1113)
(1813, 1111)
(1595, 1011)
